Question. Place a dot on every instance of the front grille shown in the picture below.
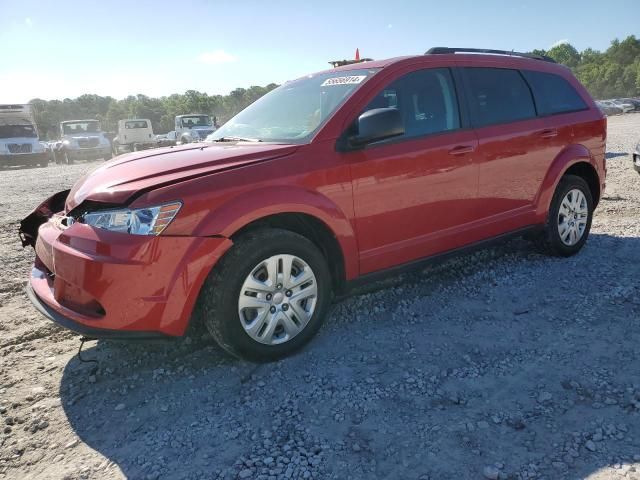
(19, 148)
(88, 142)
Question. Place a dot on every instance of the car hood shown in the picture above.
(117, 180)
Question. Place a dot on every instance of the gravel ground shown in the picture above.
(504, 364)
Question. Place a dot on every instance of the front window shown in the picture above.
(18, 131)
(293, 112)
(73, 128)
(196, 121)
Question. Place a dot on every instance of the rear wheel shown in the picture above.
(569, 220)
(268, 296)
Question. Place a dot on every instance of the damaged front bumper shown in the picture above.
(107, 284)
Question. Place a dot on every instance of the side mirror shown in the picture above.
(378, 124)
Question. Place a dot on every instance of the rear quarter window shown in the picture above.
(498, 95)
(553, 94)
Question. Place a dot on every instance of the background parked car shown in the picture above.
(636, 158)
(133, 135)
(166, 139)
(633, 101)
(608, 108)
(81, 140)
(19, 142)
(625, 106)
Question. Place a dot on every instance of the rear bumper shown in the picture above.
(24, 159)
(114, 285)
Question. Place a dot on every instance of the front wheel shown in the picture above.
(569, 220)
(268, 296)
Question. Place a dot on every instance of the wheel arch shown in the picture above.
(573, 160)
(307, 213)
(311, 228)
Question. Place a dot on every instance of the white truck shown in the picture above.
(134, 134)
(193, 128)
(19, 142)
(81, 140)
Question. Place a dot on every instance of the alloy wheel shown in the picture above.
(277, 299)
(572, 217)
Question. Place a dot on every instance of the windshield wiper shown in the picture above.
(236, 139)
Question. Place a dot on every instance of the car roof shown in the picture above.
(77, 121)
(506, 60)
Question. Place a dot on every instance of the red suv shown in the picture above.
(332, 178)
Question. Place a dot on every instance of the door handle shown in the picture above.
(461, 150)
(549, 133)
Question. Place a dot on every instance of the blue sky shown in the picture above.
(58, 49)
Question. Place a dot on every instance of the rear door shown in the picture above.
(562, 110)
(413, 194)
(512, 152)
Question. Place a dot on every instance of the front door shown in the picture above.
(414, 194)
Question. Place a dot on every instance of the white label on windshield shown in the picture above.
(343, 80)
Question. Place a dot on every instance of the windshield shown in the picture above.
(80, 127)
(135, 124)
(294, 111)
(196, 121)
(17, 131)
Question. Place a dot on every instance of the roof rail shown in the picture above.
(442, 50)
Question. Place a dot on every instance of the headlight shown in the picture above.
(139, 221)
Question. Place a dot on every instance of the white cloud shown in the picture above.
(216, 57)
(559, 42)
(28, 22)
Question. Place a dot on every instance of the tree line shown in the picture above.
(613, 73)
(161, 111)
(609, 74)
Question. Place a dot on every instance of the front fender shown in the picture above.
(244, 209)
(569, 156)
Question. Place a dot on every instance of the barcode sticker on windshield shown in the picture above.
(343, 80)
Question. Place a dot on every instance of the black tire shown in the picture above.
(217, 304)
(57, 158)
(184, 140)
(549, 241)
(108, 156)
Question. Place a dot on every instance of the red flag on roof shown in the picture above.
(357, 54)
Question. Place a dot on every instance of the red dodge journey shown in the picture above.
(328, 180)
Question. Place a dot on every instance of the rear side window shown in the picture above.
(426, 99)
(498, 95)
(553, 93)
